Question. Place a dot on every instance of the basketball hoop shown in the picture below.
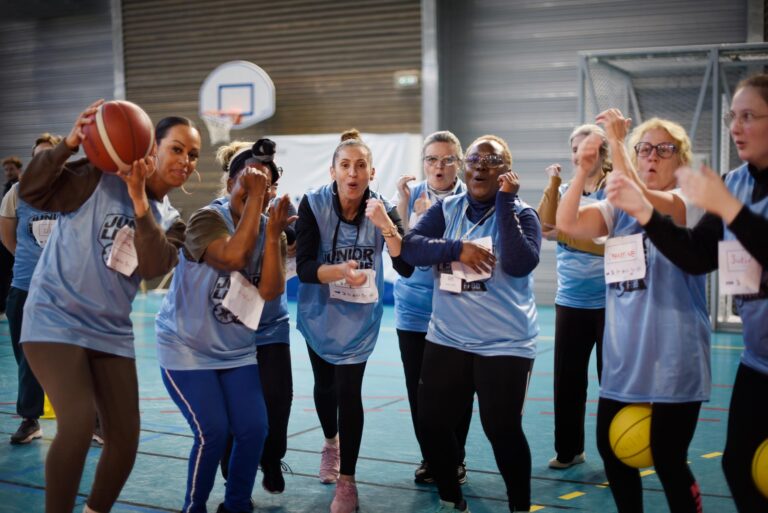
(219, 123)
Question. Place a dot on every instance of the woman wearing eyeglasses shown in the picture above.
(341, 233)
(481, 337)
(579, 304)
(737, 210)
(657, 337)
(441, 154)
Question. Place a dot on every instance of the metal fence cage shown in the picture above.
(676, 83)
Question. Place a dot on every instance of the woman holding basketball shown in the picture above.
(737, 211)
(77, 334)
(656, 339)
(341, 232)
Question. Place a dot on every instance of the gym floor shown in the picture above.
(389, 453)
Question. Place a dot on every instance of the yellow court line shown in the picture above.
(536, 507)
(572, 495)
(604, 484)
(711, 455)
(647, 472)
(729, 348)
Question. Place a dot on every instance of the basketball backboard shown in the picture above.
(239, 87)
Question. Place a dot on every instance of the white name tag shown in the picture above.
(450, 283)
(290, 268)
(738, 272)
(243, 300)
(123, 257)
(365, 293)
(624, 258)
(414, 219)
(41, 229)
(465, 273)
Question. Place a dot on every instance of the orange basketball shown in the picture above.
(120, 133)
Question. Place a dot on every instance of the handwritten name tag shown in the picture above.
(41, 229)
(365, 293)
(243, 300)
(123, 257)
(738, 272)
(624, 258)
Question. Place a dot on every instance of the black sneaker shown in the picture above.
(273, 480)
(29, 429)
(462, 473)
(423, 475)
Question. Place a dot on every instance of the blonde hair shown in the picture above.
(223, 155)
(351, 138)
(588, 129)
(675, 130)
(46, 137)
(506, 154)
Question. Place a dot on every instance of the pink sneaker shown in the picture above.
(345, 500)
(329, 464)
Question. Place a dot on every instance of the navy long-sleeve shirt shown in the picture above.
(520, 236)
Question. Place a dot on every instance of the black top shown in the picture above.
(308, 238)
(695, 250)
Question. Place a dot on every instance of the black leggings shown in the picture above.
(747, 429)
(577, 331)
(339, 404)
(79, 381)
(277, 383)
(412, 355)
(449, 379)
(672, 427)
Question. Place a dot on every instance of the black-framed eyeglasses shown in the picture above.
(664, 150)
(433, 161)
(743, 118)
(491, 161)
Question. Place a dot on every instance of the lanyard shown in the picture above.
(488, 213)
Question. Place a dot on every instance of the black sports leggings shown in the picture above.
(672, 427)
(78, 381)
(747, 429)
(412, 354)
(449, 379)
(277, 383)
(577, 331)
(339, 404)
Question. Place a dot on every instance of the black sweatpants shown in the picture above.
(577, 331)
(339, 404)
(449, 379)
(747, 429)
(672, 428)
(412, 354)
(277, 383)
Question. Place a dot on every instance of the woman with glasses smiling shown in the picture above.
(657, 336)
(481, 337)
(737, 210)
(441, 154)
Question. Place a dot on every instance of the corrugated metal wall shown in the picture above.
(332, 63)
(510, 68)
(56, 59)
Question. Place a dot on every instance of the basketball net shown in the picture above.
(219, 124)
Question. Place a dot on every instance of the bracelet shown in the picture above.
(389, 232)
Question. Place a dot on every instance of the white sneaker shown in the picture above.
(560, 465)
(451, 507)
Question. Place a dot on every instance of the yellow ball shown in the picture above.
(630, 435)
(760, 468)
